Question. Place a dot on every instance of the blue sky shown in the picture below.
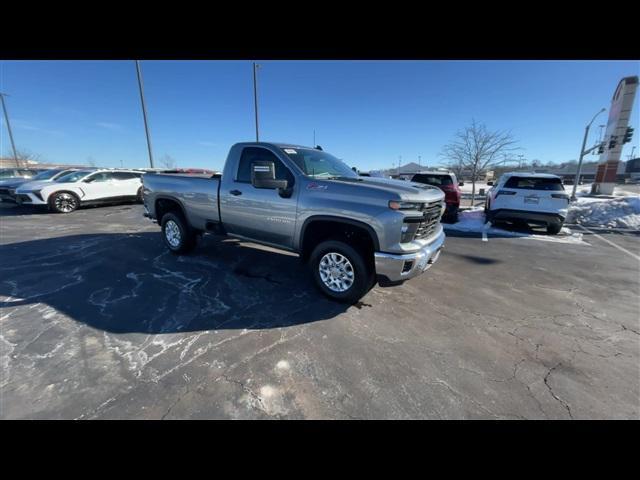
(366, 112)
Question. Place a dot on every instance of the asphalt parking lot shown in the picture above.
(98, 320)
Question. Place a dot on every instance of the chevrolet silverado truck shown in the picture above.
(353, 231)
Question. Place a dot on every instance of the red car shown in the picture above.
(448, 183)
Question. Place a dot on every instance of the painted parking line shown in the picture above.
(610, 243)
(485, 229)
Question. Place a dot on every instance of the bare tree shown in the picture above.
(26, 156)
(474, 148)
(168, 162)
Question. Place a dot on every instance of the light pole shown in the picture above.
(255, 97)
(582, 153)
(633, 149)
(144, 112)
(419, 166)
(6, 118)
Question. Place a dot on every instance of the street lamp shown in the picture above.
(582, 153)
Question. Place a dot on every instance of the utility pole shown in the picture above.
(633, 149)
(255, 97)
(6, 118)
(314, 139)
(144, 112)
(419, 167)
(399, 160)
(520, 161)
(582, 154)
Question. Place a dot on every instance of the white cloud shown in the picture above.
(110, 126)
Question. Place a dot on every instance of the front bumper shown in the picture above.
(397, 268)
(28, 198)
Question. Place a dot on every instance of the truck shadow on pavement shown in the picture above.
(131, 283)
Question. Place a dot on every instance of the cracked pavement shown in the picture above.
(99, 321)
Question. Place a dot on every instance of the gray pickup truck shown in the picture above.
(354, 231)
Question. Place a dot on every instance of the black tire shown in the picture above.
(554, 228)
(453, 215)
(64, 202)
(363, 276)
(176, 233)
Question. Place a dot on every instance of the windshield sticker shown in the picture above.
(290, 151)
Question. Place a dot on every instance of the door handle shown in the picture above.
(235, 192)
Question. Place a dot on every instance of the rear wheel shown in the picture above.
(340, 272)
(554, 228)
(176, 233)
(64, 202)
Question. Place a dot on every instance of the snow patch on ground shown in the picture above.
(621, 212)
(473, 221)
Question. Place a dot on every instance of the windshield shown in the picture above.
(46, 175)
(73, 176)
(319, 164)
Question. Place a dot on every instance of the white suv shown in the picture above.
(83, 187)
(535, 198)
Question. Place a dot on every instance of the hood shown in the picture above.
(13, 182)
(406, 190)
(34, 185)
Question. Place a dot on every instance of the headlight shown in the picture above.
(397, 205)
(443, 207)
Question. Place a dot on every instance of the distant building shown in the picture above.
(9, 162)
(587, 173)
(633, 168)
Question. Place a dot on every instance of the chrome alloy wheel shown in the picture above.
(172, 233)
(336, 272)
(65, 202)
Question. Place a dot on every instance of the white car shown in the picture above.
(82, 187)
(535, 198)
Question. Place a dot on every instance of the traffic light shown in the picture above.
(628, 134)
(601, 149)
(613, 142)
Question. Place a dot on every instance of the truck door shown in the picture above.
(258, 213)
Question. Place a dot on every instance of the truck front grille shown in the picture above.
(425, 226)
(431, 217)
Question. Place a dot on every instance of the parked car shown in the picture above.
(352, 230)
(448, 183)
(535, 198)
(82, 187)
(8, 187)
(6, 173)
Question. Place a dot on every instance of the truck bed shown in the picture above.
(196, 193)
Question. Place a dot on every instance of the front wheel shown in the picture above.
(177, 235)
(340, 272)
(64, 202)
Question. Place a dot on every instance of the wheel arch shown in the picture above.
(318, 228)
(165, 204)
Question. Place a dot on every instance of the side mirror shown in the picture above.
(263, 175)
(461, 184)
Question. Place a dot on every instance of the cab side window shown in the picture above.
(99, 177)
(254, 154)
